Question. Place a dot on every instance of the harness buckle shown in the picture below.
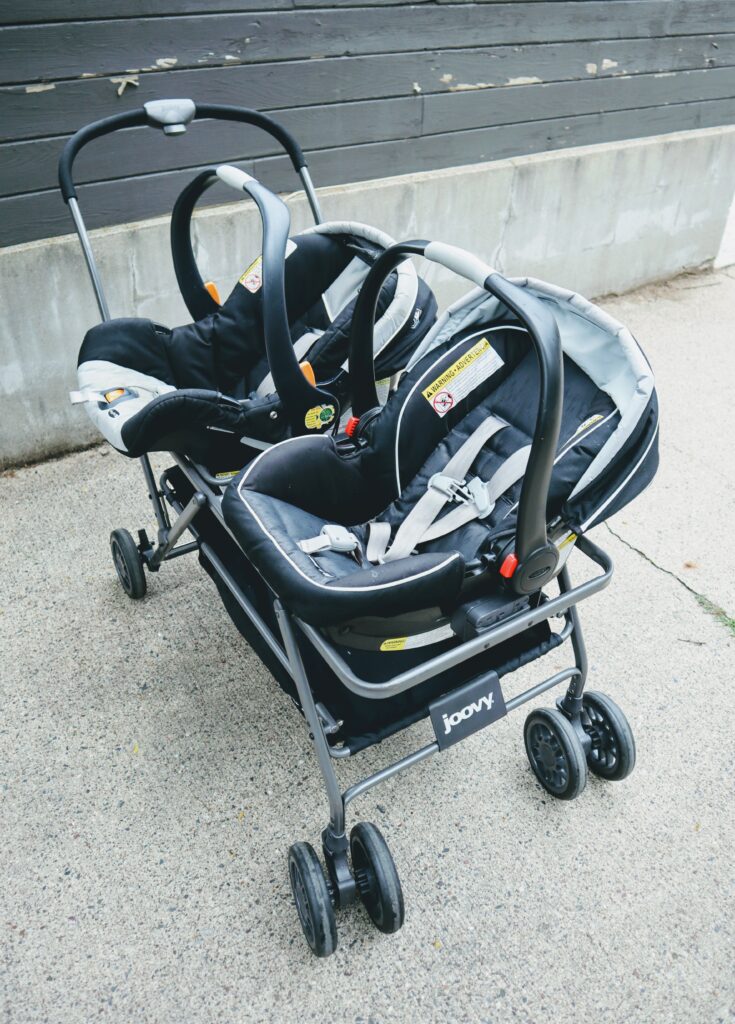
(452, 489)
(331, 538)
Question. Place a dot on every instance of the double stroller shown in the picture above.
(386, 501)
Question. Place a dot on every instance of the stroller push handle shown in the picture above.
(537, 558)
(298, 396)
(172, 116)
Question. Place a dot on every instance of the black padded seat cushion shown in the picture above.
(221, 351)
(334, 587)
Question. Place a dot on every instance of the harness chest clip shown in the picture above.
(452, 489)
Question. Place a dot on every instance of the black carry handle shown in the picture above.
(191, 283)
(537, 559)
(299, 397)
(172, 116)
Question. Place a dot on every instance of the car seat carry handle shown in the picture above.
(194, 292)
(536, 558)
(302, 402)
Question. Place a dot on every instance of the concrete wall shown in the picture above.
(598, 219)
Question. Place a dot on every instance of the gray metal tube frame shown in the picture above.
(290, 658)
(81, 228)
(485, 641)
(181, 523)
(311, 194)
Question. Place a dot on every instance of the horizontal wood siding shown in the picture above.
(370, 88)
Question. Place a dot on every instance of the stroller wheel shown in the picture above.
(128, 564)
(555, 753)
(377, 878)
(612, 751)
(311, 895)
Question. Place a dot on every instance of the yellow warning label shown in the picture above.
(462, 377)
(396, 643)
(319, 416)
(252, 278)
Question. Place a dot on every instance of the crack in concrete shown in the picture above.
(497, 257)
(703, 601)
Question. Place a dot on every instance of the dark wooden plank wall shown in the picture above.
(370, 88)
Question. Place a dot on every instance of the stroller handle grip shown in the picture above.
(536, 317)
(171, 116)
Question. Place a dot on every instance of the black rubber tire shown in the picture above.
(311, 895)
(555, 753)
(377, 878)
(612, 755)
(128, 564)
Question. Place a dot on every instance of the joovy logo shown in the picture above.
(467, 712)
(467, 709)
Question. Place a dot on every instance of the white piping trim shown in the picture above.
(625, 482)
(483, 330)
(324, 586)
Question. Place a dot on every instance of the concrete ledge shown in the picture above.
(597, 219)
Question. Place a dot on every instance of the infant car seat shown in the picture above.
(526, 416)
(206, 389)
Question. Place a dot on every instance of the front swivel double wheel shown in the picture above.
(377, 885)
(561, 750)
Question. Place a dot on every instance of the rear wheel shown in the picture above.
(555, 753)
(311, 895)
(128, 564)
(612, 750)
(377, 878)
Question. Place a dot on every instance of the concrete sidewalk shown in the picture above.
(153, 775)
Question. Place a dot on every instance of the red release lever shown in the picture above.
(351, 425)
(509, 566)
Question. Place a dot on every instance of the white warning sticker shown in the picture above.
(462, 377)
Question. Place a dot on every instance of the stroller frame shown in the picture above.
(321, 723)
(345, 884)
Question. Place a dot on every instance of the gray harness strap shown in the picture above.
(378, 538)
(502, 480)
(443, 487)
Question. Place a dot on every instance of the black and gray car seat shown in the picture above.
(526, 416)
(206, 389)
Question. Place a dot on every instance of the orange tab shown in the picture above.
(212, 289)
(308, 372)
